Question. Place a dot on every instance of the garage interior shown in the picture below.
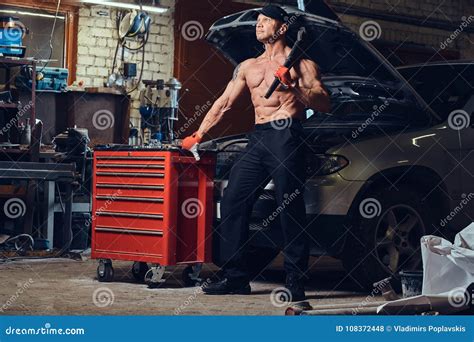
(77, 84)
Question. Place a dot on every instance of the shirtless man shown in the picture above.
(275, 151)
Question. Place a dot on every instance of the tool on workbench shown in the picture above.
(53, 79)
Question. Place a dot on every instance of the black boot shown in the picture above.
(295, 285)
(227, 286)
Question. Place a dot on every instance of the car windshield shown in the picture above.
(444, 87)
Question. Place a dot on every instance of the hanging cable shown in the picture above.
(141, 71)
(51, 37)
(121, 42)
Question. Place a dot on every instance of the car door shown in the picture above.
(448, 89)
(456, 103)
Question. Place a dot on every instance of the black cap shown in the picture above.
(275, 12)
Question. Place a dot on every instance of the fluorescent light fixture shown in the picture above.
(31, 14)
(151, 9)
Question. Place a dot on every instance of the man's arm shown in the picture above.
(224, 103)
(310, 89)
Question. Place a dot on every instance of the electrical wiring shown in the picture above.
(141, 72)
(51, 37)
(121, 42)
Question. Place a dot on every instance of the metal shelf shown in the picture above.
(7, 63)
(8, 105)
(15, 61)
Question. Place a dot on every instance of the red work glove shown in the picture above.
(283, 74)
(190, 141)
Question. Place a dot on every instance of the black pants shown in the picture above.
(275, 151)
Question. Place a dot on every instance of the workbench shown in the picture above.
(50, 174)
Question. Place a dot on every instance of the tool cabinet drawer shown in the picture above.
(143, 206)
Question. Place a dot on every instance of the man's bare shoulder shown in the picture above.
(308, 68)
(241, 68)
(306, 63)
(248, 63)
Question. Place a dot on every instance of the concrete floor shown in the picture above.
(68, 287)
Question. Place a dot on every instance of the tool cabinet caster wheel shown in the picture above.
(154, 276)
(190, 275)
(105, 271)
(139, 270)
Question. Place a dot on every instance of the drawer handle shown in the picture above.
(129, 231)
(136, 215)
(136, 174)
(135, 199)
(128, 158)
(130, 186)
(130, 166)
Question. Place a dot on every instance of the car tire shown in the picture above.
(380, 244)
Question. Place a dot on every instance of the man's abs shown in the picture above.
(282, 104)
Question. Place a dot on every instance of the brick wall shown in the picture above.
(97, 39)
(455, 12)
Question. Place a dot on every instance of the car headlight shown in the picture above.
(324, 164)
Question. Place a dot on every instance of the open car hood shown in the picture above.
(336, 49)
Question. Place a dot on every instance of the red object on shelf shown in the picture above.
(152, 206)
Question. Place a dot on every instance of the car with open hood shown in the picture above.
(383, 168)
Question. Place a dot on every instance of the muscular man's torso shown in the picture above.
(259, 75)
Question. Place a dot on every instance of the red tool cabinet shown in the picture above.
(152, 207)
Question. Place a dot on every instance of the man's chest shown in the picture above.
(262, 74)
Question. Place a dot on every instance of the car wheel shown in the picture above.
(386, 235)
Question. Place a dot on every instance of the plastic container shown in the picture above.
(412, 283)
